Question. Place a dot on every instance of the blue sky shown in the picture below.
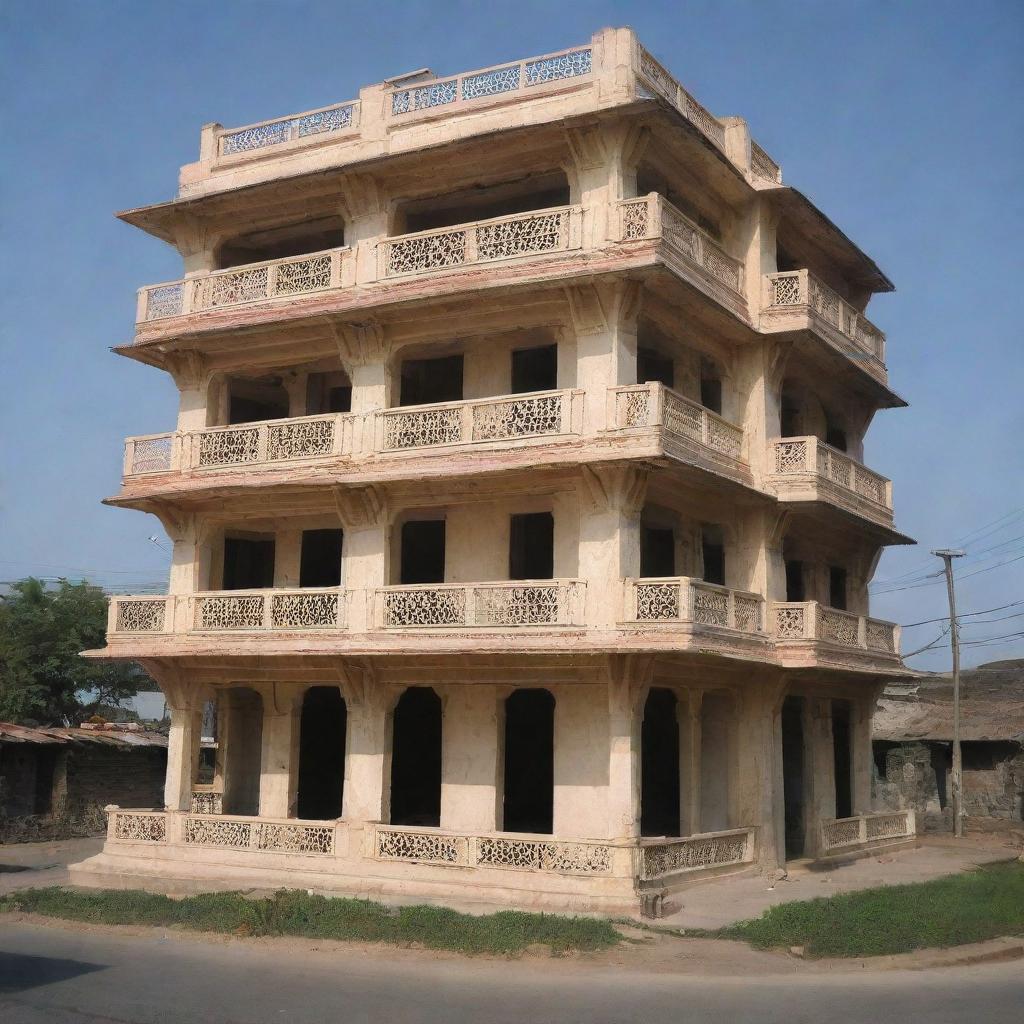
(901, 120)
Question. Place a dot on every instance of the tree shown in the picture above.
(42, 676)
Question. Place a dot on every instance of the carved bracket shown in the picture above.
(360, 344)
(616, 487)
(360, 507)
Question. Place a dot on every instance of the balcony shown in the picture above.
(797, 300)
(688, 430)
(250, 283)
(518, 603)
(793, 623)
(807, 469)
(683, 599)
(612, 69)
(507, 421)
(688, 249)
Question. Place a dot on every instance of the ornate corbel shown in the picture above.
(629, 679)
(596, 307)
(360, 507)
(616, 486)
(360, 344)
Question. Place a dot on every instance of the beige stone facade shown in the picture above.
(521, 529)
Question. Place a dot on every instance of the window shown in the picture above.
(426, 381)
(794, 580)
(531, 548)
(657, 552)
(327, 392)
(653, 366)
(422, 555)
(710, 386)
(713, 550)
(248, 563)
(535, 369)
(320, 560)
(837, 587)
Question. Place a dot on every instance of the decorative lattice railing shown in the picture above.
(809, 620)
(801, 290)
(652, 404)
(483, 420)
(207, 801)
(312, 126)
(501, 238)
(142, 614)
(496, 850)
(505, 604)
(252, 282)
(808, 455)
(269, 441)
(136, 826)
(662, 858)
(683, 599)
(762, 165)
(268, 610)
(521, 77)
(153, 453)
(839, 833)
(653, 216)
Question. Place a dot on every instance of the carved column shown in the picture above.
(279, 756)
(629, 678)
(184, 735)
(688, 712)
(364, 518)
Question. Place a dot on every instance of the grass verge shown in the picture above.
(971, 907)
(290, 912)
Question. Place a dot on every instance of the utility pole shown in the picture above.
(947, 555)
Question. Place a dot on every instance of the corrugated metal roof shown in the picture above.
(110, 734)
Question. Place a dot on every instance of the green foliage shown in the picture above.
(42, 632)
(293, 912)
(969, 907)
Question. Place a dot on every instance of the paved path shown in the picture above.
(27, 865)
(61, 976)
(722, 901)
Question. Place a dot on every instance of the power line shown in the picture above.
(963, 615)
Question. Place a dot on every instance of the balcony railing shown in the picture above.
(500, 604)
(842, 833)
(267, 611)
(801, 291)
(662, 858)
(683, 599)
(500, 238)
(520, 77)
(312, 126)
(652, 404)
(797, 456)
(809, 620)
(508, 418)
(653, 216)
(251, 282)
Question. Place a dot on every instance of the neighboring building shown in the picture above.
(64, 773)
(913, 734)
(521, 533)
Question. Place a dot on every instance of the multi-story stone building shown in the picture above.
(521, 529)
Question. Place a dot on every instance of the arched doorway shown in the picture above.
(529, 800)
(416, 759)
(659, 766)
(321, 753)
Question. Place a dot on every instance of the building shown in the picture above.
(521, 529)
(913, 742)
(58, 775)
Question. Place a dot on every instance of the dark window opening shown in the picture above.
(653, 366)
(206, 772)
(46, 764)
(789, 416)
(784, 263)
(941, 760)
(835, 436)
(486, 202)
(793, 774)
(253, 403)
(842, 756)
(280, 243)
(531, 546)
(710, 387)
(248, 564)
(657, 552)
(416, 759)
(659, 766)
(320, 560)
(327, 392)
(321, 754)
(837, 587)
(535, 369)
(794, 580)
(422, 556)
(529, 762)
(426, 381)
(713, 550)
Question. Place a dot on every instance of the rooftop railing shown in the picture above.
(311, 126)
(802, 291)
(795, 456)
(809, 620)
(683, 599)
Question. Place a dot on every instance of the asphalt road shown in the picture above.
(64, 976)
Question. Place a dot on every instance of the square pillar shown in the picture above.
(758, 795)
(470, 756)
(367, 794)
(629, 678)
(182, 752)
(581, 762)
(279, 777)
(820, 785)
(688, 710)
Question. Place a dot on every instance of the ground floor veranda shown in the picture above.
(580, 782)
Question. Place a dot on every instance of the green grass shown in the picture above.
(290, 912)
(969, 907)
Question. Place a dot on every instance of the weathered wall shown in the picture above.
(108, 775)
